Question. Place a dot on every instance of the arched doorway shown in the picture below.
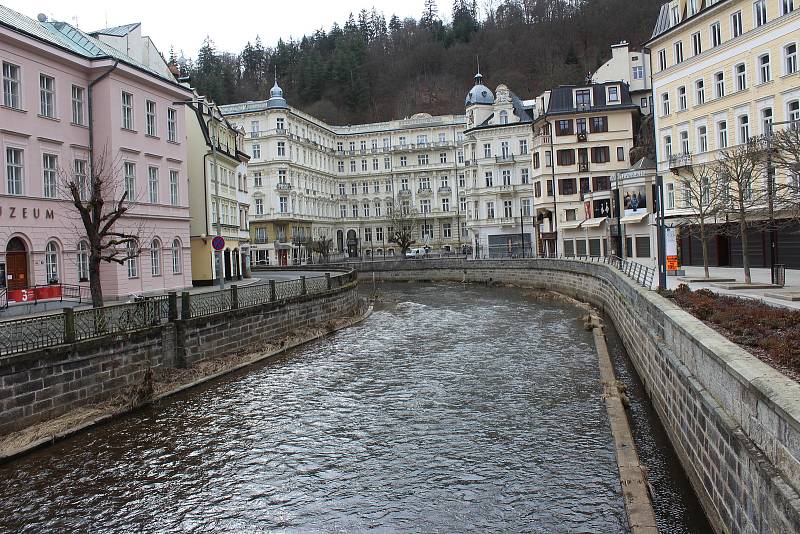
(227, 264)
(17, 264)
(352, 244)
(235, 264)
(340, 241)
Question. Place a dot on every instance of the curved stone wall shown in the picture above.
(733, 420)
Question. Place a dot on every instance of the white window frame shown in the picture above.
(151, 118)
(12, 81)
(49, 175)
(127, 111)
(78, 93)
(47, 96)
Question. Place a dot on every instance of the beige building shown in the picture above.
(582, 139)
(217, 189)
(498, 192)
(309, 180)
(722, 72)
(631, 67)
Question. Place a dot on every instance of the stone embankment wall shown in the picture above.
(733, 420)
(42, 384)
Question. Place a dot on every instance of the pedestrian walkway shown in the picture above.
(758, 275)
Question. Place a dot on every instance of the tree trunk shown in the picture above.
(745, 255)
(704, 242)
(94, 282)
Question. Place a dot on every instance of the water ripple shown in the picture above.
(454, 410)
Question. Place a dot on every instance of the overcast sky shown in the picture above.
(184, 24)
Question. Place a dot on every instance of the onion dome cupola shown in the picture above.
(276, 100)
(479, 94)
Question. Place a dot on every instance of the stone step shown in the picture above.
(702, 279)
(742, 285)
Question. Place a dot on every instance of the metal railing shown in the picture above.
(28, 333)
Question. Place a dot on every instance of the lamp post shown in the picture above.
(662, 238)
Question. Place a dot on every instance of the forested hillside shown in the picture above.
(373, 69)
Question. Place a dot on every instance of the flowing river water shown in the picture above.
(451, 409)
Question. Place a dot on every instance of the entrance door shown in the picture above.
(227, 264)
(17, 264)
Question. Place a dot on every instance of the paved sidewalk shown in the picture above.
(758, 275)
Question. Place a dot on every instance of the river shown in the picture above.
(451, 409)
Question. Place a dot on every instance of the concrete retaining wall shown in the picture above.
(733, 420)
(42, 384)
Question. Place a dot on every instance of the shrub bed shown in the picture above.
(769, 332)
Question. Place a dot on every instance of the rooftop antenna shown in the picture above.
(478, 61)
(276, 74)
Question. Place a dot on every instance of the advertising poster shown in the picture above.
(635, 200)
(671, 243)
(602, 208)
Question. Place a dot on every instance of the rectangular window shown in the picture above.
(490, 210)
(133, 261)
(283, 205)
(702, 139)
(583, 98)
(77, 105)
(173, 187)
(523, 147)
(565, 157)
(741, 77)
(525, 176)
(599, 124)
(281, 148)
(47, 96)
(716, 34)
(11, 89)
(764, 72)
(49, 175)
(487, 150)
(697, 46)
(600, 154)
(787, 6)
(679, 52)
(129, 175)
(670, 195)
(127, 111)
(667, 146)
(150, 118)
(682, 98)
(719, 85)
(665, 104)
(699, 92)
(662, 59)
(638, 72)
(172, 125)
(736, 24)
(620, 153)
(152, 181)
(759, 13)
(489, 179)
(744, 128)
(256, 150)
(81, 179)
(564, 127)
(613, 94)
(790, 58)
(722, 134)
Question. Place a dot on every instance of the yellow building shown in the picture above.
(280, 241)
(722, 72)
(217, 184)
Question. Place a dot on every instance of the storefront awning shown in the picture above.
(569, 225)
(593, 223)
(635, 218)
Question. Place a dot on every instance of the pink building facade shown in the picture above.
(52, 74)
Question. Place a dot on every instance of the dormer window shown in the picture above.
(613, 94)
(583, 98)
(503, 117)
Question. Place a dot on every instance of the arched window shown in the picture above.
(155, 257)
(51, 262)
(503, 117)
(176, 257)
(83, 261)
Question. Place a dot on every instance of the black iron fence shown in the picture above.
(28, 333)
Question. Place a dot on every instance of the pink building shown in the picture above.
(64, 91)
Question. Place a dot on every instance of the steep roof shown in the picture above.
(72, 39)
(561, 99)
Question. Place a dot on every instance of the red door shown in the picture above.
(17, 270)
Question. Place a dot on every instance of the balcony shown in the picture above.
(507, 158)
(445, 189)
(343, 196)
(505, 189)
(678, 161)
(582, 137)
(404, 193)
(283, 186)
(542, 140)
(425, 191)
(583, 166)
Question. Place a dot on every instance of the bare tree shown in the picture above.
(785, 157)
(99, 198)
(403, 219)
(741, 172)
(704, 196)
(322, 246)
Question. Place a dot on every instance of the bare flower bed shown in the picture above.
(768, 332)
